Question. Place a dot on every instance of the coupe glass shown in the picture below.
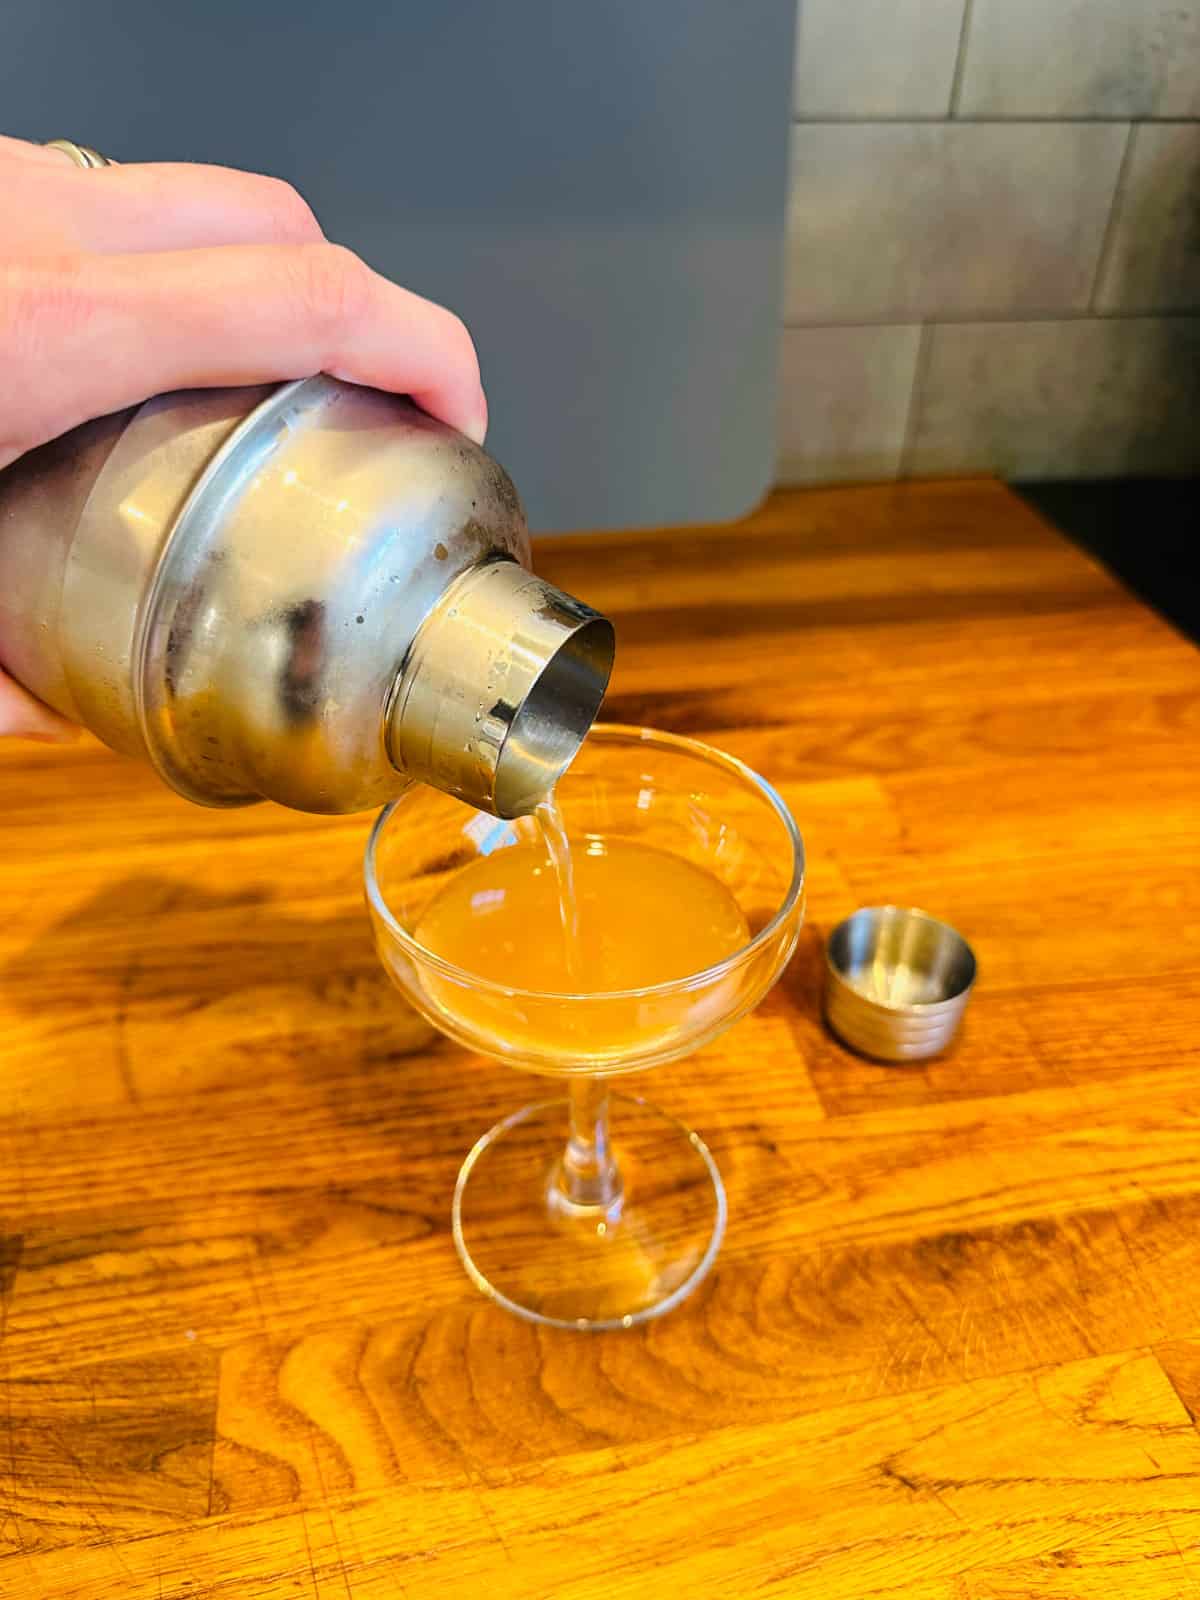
(554, 1219)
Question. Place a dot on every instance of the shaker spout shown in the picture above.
(503, 680)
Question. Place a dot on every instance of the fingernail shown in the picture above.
(477, 430)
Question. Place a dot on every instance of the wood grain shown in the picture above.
(949, 1351)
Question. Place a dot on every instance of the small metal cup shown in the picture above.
(896, 983)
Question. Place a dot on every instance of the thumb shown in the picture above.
(23, 717)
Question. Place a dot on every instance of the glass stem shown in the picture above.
(588, 1177)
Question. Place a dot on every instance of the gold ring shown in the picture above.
(81, 154)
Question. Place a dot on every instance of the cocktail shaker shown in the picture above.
(311, 593)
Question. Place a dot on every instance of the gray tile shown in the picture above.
(1153, 257)
(902, 220)
(1095, 397)
(876, 58)
(1081, 58)
(843, 402)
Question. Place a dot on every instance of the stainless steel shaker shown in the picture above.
(311, 593)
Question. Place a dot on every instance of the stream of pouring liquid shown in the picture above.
(558, 848)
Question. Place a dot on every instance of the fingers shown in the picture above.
(24, 717)
(122, 210)
(84, 337)
(22, 150)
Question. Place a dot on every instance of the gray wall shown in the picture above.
(994, 240)
(598, 186)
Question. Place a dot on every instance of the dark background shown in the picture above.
(1146, 530)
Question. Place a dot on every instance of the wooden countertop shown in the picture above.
(951, 1349)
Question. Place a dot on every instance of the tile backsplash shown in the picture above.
(902, 219)
(994, 240)
(1081, 58)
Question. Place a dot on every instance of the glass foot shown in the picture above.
(591, 1267)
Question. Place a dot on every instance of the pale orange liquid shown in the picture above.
(640, 916)
(556, 917)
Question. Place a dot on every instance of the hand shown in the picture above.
(123, 282)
